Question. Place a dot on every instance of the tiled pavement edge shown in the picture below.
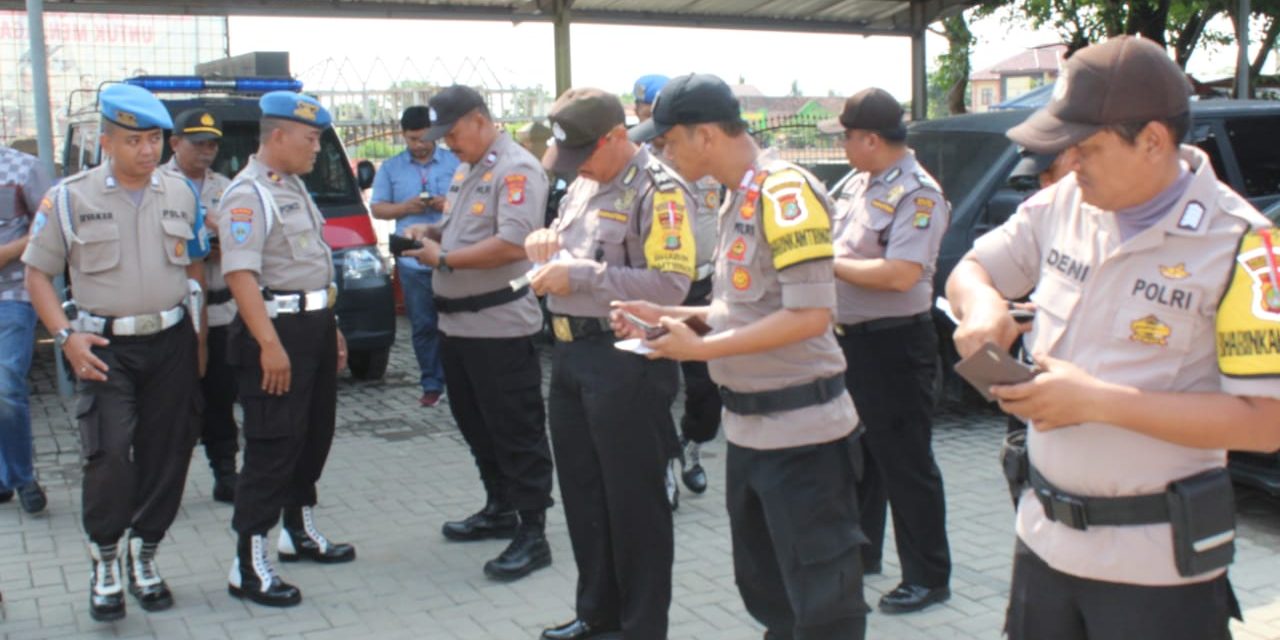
(397, 471)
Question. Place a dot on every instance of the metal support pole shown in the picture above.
(44, 138)
(563, 60)
(919, 78)
(1242, 49)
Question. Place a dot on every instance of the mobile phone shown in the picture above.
(1022, 316)
(399, 244)
(425, 195)
(651, 331)
(992, 365)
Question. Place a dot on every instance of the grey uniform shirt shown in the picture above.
(629, 239)
(775, 253)
(898, 214)
(1139, 312)
(211, 189)
(125, 259)
(23, 183)
(504, 196)
(293, 256)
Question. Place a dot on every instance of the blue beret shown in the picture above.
(295, 106)
(647, 88)
(133, 108)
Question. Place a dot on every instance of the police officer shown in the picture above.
(196, 136)
(1153, 284)
(793, 444)
(701, 417)
(120, 226)
(495, 377)
(888, 224)
(624, 231)
(285, 346)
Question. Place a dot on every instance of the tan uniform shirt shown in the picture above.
(505, 195)
(775, 253)
(629, 239)
(898, 214)
(210, 195)
(1139, 313)
(125, 259)
(293, 256)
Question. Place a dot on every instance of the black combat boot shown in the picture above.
(301, 540)
(145, 582)
(224, 479)
(495, 520)
(106, 594)
(253, 577)
(527, 553)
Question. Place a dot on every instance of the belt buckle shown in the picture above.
(560, 327)
(840, 330)
(146, 324)
(332, 292)
(1067, 510)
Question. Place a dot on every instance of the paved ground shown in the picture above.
(398, 471)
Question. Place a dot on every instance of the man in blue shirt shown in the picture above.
(410, 189)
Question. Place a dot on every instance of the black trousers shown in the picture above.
(495, 395)
(793, 514)
(1046, 604)
(137, 430)
(219, 433)
(890, 376)
(701, 417)
(611, 426)
(287, 438)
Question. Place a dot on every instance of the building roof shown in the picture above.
(1036, 60)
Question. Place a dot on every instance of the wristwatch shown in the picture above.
(61, 337)
(442, 264)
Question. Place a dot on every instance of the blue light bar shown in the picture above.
(192, 84)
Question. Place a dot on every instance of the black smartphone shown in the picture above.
(400, 244)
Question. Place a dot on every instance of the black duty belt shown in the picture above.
(882, 324)
(480, 301)
(809, 394)
(570, 328)
(219, 296)
(1079, 512)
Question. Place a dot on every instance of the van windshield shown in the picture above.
(330, 183)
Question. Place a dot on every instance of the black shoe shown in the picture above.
(493, 521)
(579, 630)
(253, 577)
(907, 598)
(145, 582)
(106, 595)
(527, 553)
(32, 497)
(694, 476)
(224, 480)
(6, 495)
(300, 540)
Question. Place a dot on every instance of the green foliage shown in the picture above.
(377, 149)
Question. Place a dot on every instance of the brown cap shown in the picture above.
(1122, 80)
(579, 118)
(872, 110)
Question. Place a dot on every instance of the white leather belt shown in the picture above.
(286, 303)
(705, 271)
(140, 325)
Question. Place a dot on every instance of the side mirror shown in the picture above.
(364, 174)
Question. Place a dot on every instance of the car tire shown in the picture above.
(370, 364)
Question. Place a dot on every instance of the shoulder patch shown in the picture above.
(1248, 320)
(669, 245)
(662, 179)
(796, 223)
(515, 187)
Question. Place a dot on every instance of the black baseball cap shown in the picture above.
(197, 125)
(579, 118)
(693, 99)
(871, 109)
(1122, 80)
(446, 107)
